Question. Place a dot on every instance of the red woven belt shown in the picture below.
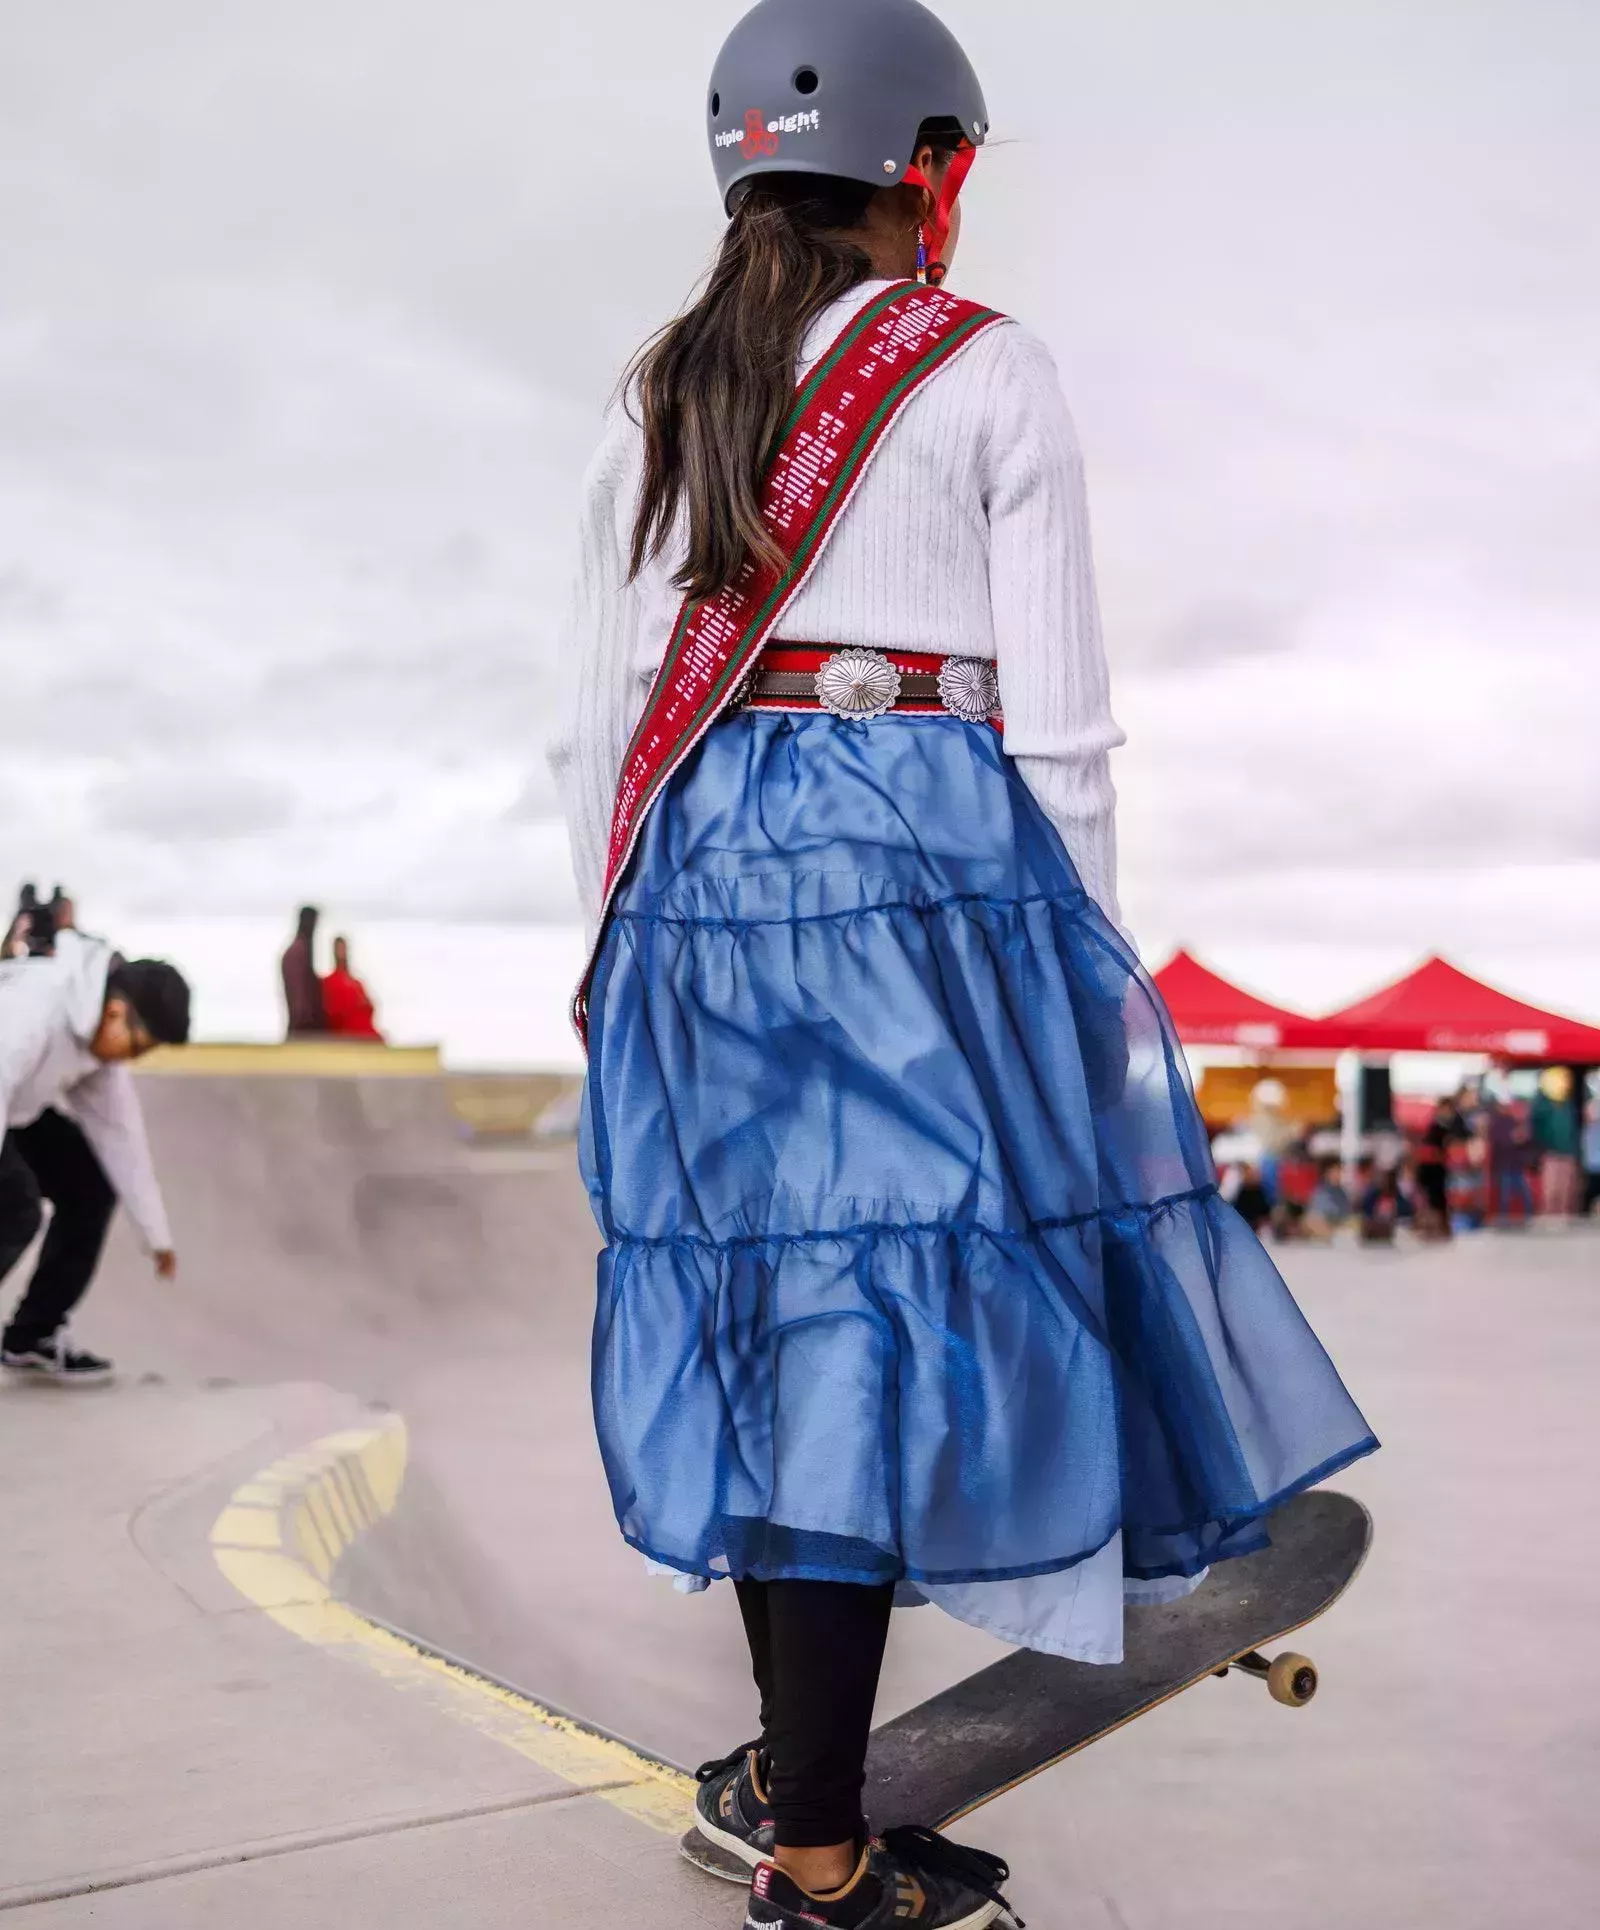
(858, 683)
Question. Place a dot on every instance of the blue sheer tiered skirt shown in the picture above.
(915, 1267)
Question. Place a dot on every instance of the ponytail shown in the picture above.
(714, 389)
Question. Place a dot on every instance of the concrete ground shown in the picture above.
(174, 1757)
(173, 1752)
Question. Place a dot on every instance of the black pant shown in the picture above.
(816, 1649)
(51, 1160)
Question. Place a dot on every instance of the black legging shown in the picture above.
(816, 1649)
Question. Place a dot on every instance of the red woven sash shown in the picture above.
(842, 412)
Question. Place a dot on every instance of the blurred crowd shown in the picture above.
(1487, 1155)
(332, 1004)
(35, 922)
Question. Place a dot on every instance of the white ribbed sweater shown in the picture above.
(969, 535)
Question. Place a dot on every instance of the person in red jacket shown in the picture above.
(344, 999)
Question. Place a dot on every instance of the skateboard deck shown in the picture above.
(983, 1736)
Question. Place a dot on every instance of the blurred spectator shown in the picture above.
(1591, 1156)
(302, 989)
(1383, 1205)
(1555, 1135)
(1510, 1148)
(1445, 1131)
(1273, 1130)
(1296, 1180)
(346, 1007)
(1329, 1206)
(33, 929)
(1250, 1202)
(1469, 1163)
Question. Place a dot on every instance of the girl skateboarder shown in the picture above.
(916, 1277)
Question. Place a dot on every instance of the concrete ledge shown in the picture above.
(278, 1541)
(295, 1059)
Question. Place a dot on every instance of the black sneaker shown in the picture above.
(907, 1879)
(731, 1808)
(55, 1360)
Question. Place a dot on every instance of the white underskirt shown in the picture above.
(1075, 1612)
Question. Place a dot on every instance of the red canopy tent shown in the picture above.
(1208, 1009)
(1437, 1008)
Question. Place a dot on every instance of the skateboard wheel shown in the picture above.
(1292, 1679)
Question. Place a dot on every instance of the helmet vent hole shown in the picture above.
(806, 81)
(716, 105)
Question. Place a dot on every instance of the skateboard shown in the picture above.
(983, 1736)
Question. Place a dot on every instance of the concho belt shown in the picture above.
(862, 684)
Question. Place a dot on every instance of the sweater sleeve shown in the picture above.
(599, 648)
(106, 1105)
(1054, 685)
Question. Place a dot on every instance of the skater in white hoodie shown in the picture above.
(71, 1131)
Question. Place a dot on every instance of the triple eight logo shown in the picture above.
(760, 135)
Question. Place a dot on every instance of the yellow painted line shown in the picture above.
(320, 1516)
(259, 1494)
(241, 1527)
(277, 1542)
(332, 1515)
(294, 1058)
(353, 1503)
(309, 1546)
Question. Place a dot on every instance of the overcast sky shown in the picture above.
(308, 312)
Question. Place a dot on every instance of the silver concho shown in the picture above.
(857, 683)
(969, 688)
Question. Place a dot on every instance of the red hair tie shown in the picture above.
(937, 227)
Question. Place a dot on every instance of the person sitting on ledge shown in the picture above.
(345, 1004)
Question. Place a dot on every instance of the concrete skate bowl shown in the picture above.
(354, 1231)
(350, 1226)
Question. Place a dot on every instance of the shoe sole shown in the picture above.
(731, 1845)
(978, 1919)
(49, 1376)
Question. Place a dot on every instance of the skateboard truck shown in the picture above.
(1291, 1679)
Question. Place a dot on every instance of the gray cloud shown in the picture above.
(197, 805)
(116, 714)
(28, 604)
(1215, 628)
(536, 802)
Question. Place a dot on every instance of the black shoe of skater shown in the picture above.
(731, 1807)
(907, 1879)
(54, 1360)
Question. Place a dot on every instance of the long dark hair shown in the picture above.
(714, 388)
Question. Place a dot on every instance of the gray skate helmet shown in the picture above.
(835, 87)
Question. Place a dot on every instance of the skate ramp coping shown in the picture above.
(293, 1059)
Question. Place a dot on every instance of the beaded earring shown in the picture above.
(922, 252)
